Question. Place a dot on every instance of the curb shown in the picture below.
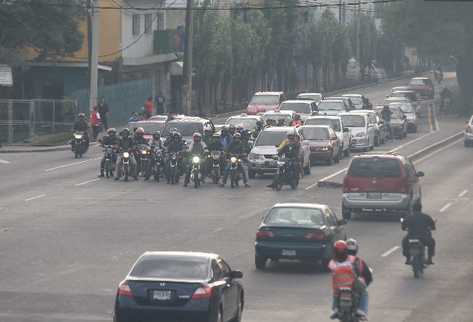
(30, 149)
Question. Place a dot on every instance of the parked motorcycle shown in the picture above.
(216, 170)
(144, 161)
(196, 174)
(158, 163)
(287, 174)
(109, 156)
(347, 304)
(79, 144)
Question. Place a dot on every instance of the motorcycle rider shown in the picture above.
(237, 148)
(111, 139)
(257, 130)
(344, 275)
(81, 125)
(386, 116)
(125, 144)
(138, 137)
(225, 138)
(196, 148)
(418, 225)
(156, 142)
(174, 144)
(290, 148)
(363, 271)
(297, 121)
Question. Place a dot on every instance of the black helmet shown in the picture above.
(157, 135)
(125, 132)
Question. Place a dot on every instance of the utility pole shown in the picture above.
(358, 36)
(93, 51)
(187, 69)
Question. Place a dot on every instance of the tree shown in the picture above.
(48, 29)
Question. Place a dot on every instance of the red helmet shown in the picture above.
(340, 250)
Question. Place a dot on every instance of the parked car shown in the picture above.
(398, 120)
(373, 121)
(265, 101)
(187, 126)
(335, 122)
(304, 108)
(298, 231)
(362, 134)
(468, 133)
(279, 116)
(180, 286)
(323, 143)
(316, 97)
(423, 85)
(360, 101)
(411, 116)
(150, 126)
(380, 183)
(333, 107)
(261, 158)
(248, 122)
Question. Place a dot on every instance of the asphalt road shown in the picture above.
(67, 239)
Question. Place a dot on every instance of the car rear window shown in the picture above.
(283, 216)
(314, 133)
(417, 82)
(334, 124)
(353, 120)
(276, 117)
(375, 167)
(246, 123)
(315, 97)
(172, 267)
(265, 99)
(330, 106)
(303, 108)
(270, 138)
(358, 101)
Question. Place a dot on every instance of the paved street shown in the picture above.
(67, 238)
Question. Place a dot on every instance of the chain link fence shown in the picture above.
(21, 120)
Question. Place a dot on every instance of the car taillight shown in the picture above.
(202, 293)
(264, 234)
(315, 235)
(124, 289)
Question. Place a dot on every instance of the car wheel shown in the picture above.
(260, 262)
(251, 174)
(239, 312)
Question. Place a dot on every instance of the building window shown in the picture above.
(136, 25)
(148, 23)
(160, 21)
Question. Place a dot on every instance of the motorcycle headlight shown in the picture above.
(196, 159)
(233, 159)
(78, 136)
(144, 152)
(126, 154)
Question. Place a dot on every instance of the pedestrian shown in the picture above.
(160, 100)
(95, 122)
(103, 111)
(148, 107)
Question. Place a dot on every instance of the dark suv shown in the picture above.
(381, 183)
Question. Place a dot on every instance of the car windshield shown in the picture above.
(151, 126)
(265, 100)
(185, 128)
(315, 97)
(314, 133)
(271, 138)
(295, 217)
(375, 167)
(172, 267)
(246, 123)
(327, 106)
(334, 124)
(353, 120)
(303, 108)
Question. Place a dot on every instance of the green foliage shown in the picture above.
(51, 30)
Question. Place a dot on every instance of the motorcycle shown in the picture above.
(173, 171)
(158, 163)
(79, 144)
(287, 174)
(347, 304)
(216, 171)
(144, 161)
(109, 160)
(196, 174)
(417, 253)
(235, 165)
(126, 164)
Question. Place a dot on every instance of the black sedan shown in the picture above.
(180, 286)
(298, 231)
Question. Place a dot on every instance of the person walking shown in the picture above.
(160, 100)
(149, 107)
(95, 122)
(103, 112)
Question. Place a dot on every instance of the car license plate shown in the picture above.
(161, 295)
(374, 195)
(287, 252)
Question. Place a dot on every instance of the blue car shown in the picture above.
(180, 286)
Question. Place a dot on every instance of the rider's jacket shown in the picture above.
(343, 273)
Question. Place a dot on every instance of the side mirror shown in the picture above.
(236, 274)
(420, 174)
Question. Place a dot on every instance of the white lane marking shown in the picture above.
(35, 197)
(86, 182)
(438, 151)
(71, 164)
(4, 161)
(446, 207)
(464, 192)
(389, 252)
(333, 175)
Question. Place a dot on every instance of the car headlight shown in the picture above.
(196, 159)
(233, 159)
(126, 154)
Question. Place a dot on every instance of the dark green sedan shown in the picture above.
(298, 231)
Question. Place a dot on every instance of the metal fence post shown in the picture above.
(53, 128)
(31, 122)
(10, 122)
